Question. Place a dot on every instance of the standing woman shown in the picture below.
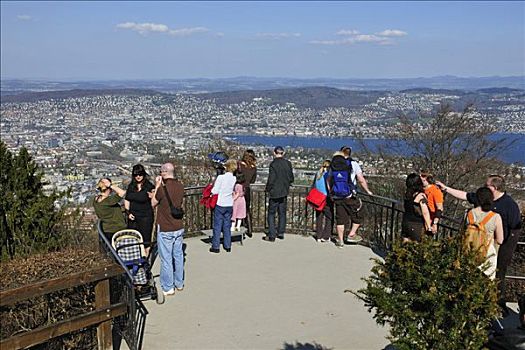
(324, 218)
(248, 168)
(222, 214)
(138, 202)
(416, 218)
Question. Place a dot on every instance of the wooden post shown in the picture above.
(102, 300)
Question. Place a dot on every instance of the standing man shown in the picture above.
(170, 230)
(505, 206)
(356, 175)
(280, 178)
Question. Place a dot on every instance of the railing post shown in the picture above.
(392, 217)
(102, 300)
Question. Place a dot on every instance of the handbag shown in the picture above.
(316, 198)
(208, 199)
(177, 213)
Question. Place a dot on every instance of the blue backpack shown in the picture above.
(340, 173)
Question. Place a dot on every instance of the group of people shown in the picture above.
(337, 179)
(232, 188)
(495, 213)
(140, 199)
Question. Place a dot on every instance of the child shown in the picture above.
(239, 203)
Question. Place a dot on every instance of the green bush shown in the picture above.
(432, 296)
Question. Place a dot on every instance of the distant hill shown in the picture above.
(495, 90)
(76, 93)
(203, 85)
(429, 91)
(308, 97)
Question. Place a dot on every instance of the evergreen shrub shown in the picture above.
(432, 296)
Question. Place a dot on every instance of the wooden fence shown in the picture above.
(101, 317)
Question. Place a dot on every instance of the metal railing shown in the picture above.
(380, 229)
(382, 215)
(130, 326)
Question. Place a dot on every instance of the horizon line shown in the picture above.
(79, 79)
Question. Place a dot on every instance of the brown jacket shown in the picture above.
(176, 192)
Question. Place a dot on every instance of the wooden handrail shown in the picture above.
(12, 296)
(42, 334)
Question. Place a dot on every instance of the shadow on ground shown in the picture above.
(304, 346)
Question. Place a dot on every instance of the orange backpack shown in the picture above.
(476, 237)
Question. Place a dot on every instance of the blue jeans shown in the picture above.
(222, 217)
(171, 259)
(277, 205)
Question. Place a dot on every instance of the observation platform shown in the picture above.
(288, 294)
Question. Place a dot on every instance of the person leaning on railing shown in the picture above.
(108, 209)
(435, 198)
(505, 206)
(416, 217)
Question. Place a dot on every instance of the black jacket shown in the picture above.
(280, 178)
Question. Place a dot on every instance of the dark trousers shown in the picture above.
(324, 220)
(143, 224)
(277, 205)
(505, 252)
(222, 217)
(248, 199)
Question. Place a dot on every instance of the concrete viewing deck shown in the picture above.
(283, 295)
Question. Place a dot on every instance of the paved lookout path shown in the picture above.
(283, 295)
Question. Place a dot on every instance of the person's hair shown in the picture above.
(347, 151)
(324, 168)
(414, 186)
(240, 177)
(497, 181)
(138, 169)
(338, 153)
(100, 185)
(230, 165)
(249, 158)
(428, 176)
(485, 198)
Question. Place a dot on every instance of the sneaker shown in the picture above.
(339, 244)
(179, 289)
(324, 240)
(280, 236)
(268, 239)
(169, 292)
(216, 251)
(354, 239)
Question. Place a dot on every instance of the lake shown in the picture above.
(515, 155)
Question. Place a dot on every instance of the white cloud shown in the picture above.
(188, 31)
(347, 41)
(144, 28)
(219, 34)
(24, 17)
(347, 32)
(368, 38)
(392, 33)
(352, 36)
(278, 36)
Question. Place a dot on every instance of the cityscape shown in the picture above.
(77, 140)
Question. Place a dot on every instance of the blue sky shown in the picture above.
(154, 40)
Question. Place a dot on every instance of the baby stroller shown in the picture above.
(131, 249)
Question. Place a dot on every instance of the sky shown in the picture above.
(178, 40)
